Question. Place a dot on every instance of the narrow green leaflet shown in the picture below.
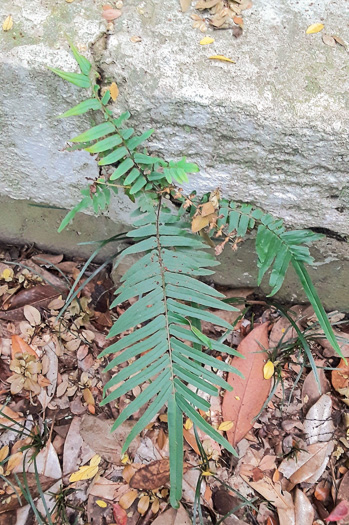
(123, 168)
(95, 133)
(113, 157)
(81, 108)
(74, 78)
(84, 64)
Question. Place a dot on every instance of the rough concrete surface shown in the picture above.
(271, 129)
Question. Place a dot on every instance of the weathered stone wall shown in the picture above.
(271, 129)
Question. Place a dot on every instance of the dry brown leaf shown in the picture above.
(310, 389)
(19, 346)
(329, 40)
(128, 498)
(340, 376)
(249, 394)
(32, 315)
(185, 4)
(7, 503)
(206, 4)
(173, 517)
(135, 39)
(272, 492)
(143, 505)
(303, 509)
(199, 222)
(47, 259)
(339, 40)
(152, 476)
(308, 465)
(318, 425)
(207, 209)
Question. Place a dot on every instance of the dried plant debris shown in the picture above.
(288, 421)
(218, 14)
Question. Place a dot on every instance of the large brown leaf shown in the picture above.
(246, 400)
(7, 504)
(153, 475)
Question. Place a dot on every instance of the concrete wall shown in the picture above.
(271, 129)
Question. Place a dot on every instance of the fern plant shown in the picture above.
(166, 349)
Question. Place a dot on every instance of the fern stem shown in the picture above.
(163, 286)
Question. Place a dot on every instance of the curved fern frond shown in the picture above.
(277, 249)
(170, 299)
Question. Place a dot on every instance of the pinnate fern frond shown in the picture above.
(170, 300)
(277, 248)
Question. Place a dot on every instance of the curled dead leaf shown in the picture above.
(222, 58)
(128, 498)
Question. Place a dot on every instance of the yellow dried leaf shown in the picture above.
(88, 397)
(101, 503)
(128, 498)
(8, 23)
(87, 471)
(83, 473)
(114, 91)
(206, 40)
(188, 424)
(314, 28)
(69, 1)
(95, 461)
(4, 452)
(268, 370)
(13, 462)
(163, 418)
(226, 425)
(222, 58)
(128, 472)
(125, 459)
(7, 274)
(143, 505)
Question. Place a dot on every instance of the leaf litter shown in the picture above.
(292, 437)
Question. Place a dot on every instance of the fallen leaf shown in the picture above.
(111, 14)
(185, 4)
(128, 498)
(19, 346)
(304, 512)
(272, 492)
(143, 505)
(7, 504)
(47, 394)
(339, 40)
(238, 21)
(318, 425)
(7, 411)
(32, 315)
(328, 40)
(101, 503)
(340, 376)
(76, 451)
(308, 465)
(8, 23)
(249, 394)
(96, 433)
(47, 259)
(340, 512)
(114, 91)
(152, 476)
(314, 28)
(119, 515)
(268, 370)
(322, 491)
(136, 39)
(310, 389)
(87, 471)
(173, 517)
(13, 462)
(205, 41)
(222, 58)
(225, 426)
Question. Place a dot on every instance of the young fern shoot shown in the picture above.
(173, 358)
